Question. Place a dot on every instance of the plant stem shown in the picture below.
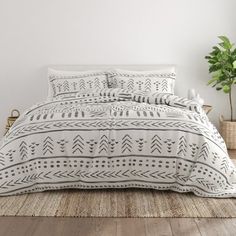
(231, 105)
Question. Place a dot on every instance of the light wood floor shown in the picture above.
(232, 154)
(50, 226)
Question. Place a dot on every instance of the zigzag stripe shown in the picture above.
(159, 176)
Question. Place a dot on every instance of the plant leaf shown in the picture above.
(226, 43)
(212, 80)
(226, 88)
(217, 73)
(234, 64)
(207, 57)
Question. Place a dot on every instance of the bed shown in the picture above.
(102, 127)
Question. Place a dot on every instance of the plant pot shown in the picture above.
(11, 119)
(228, 132)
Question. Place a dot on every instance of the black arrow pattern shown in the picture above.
(182, 146)
(97, 84)
(90, 84)
(112, 144)
(59, 87)
(215, 157)
(206, 184)
(148, 85)
(157, 85)
(127, 143)
(92, 144)
(104, 144)
(157, 176)
(156, 144)
(2, 159)
(115, 138)
(48, 145)
(33, 147)
(62, 144)
(141, 142)
(155, 82)
(9, 155)
(204, 151)
(130, 84)
(23, 148)
(82, 84)
(78, 144)
(75, 85)
(225, 165)
(164, 85)
(169, 143)
(105, 123)
(194, 149)
(65, 86)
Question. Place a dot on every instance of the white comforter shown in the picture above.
(116, 138)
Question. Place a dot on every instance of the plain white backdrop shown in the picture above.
(36, 33)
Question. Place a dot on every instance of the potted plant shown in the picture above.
(222, 67)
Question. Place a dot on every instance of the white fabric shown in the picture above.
(67, 82)
(162, 80)
(114, 138)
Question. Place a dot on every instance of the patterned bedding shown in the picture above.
(116, 138)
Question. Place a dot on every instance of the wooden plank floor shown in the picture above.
(232, 154)
(50, 226)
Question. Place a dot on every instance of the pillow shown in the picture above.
(162, 81)
(72, 82)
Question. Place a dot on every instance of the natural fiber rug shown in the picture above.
(116, 203)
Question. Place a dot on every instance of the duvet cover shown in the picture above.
(116, 138)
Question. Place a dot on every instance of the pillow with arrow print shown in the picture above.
(69, 83)
(151, 81)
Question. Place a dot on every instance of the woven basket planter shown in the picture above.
(228, 132)
(11, 119)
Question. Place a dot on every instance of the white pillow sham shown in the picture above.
(72, 82)
(162, 81)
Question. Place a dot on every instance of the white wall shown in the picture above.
(35, 33)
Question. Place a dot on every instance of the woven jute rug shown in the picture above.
(116, 203)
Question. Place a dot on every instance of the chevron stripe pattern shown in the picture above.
(78, 144)
(182, 146)
(204, 151)
(144, 81)
(114, 138)
(23, 148)
(48, 146)
(156, 144)
(127, 143)
(62, 84)
(103, 145)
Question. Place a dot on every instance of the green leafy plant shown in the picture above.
(222, 66)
